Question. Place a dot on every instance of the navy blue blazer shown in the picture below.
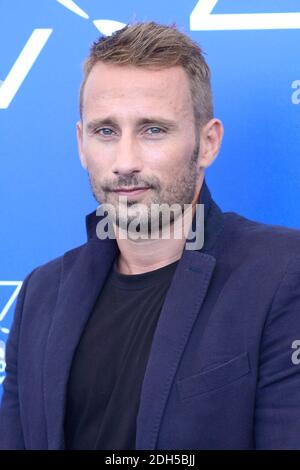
(220, 374)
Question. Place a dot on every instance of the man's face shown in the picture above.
(138, 131)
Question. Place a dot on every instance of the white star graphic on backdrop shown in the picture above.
(204, 19)
(3, 329)
(106, 27)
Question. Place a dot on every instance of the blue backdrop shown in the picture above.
(252, 48)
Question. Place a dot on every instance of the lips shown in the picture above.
(131, 191)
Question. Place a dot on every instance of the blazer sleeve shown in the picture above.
(277, 411)
(11, 435)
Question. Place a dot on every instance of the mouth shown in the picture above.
(131, 191)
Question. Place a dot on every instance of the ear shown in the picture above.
(79, 132)
(211, 135)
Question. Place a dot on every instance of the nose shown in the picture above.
(127, 158)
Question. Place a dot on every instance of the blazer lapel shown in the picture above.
(181, 307)
(83, 276)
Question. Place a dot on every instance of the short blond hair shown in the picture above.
(149, 44)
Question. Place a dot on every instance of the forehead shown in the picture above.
(137, 88)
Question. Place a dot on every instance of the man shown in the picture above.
(140, 343)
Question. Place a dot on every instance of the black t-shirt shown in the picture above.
(109, 364)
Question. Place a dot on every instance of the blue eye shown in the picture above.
(105, 131)
(155, 130)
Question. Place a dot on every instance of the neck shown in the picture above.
(140, 256)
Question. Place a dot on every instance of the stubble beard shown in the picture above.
(179, 192)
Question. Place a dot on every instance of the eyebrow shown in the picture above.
(109, 121)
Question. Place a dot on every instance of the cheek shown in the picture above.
(170, 159)
(96, 157)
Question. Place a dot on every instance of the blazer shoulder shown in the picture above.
(50, 272)
(261, 238)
